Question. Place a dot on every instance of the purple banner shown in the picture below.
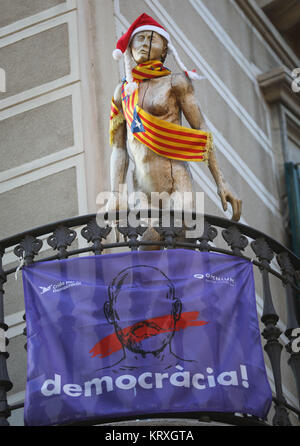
(142, 333)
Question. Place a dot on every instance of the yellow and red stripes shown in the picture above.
(149, 70)
(116, 118)
(114, 111)
(165, 138)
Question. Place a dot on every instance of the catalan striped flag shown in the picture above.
(116, 118)
(149, 70)
(162, 137)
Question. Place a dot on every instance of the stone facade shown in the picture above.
(54, 118)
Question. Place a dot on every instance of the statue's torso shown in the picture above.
(153, 172)
(157, 97)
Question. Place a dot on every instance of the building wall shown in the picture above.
(42, 172)
(54, 119)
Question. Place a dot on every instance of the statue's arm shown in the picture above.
(119, 157)
(184, 91)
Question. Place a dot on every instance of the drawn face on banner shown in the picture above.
(137, 296)
(148, 45)
(127, 334)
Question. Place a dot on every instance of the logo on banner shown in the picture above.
(210, 277)
(60, 286)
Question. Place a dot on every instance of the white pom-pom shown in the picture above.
(130, 88)
(117, 54)
(194, 76)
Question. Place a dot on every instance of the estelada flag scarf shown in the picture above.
(162, 137)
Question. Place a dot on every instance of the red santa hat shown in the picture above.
(146, 23)
(143, 23)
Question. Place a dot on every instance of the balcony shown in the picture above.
(270, 259)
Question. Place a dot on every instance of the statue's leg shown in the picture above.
(183, 185)
(150, 235)
(182, 182)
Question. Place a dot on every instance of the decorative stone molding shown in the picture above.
(272, 36)
(2, 81)
(276, 86)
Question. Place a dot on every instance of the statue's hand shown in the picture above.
(226, 196)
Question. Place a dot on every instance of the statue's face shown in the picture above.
(143, 48)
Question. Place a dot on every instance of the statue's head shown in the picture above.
(146, 40)
(148, 45)
(143, 31)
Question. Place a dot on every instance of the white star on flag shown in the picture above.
(138, 124)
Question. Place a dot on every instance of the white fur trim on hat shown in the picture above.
(117, 54)
(157, 29)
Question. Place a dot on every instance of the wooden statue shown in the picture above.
(146, 121)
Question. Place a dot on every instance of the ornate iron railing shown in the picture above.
(269, 256)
